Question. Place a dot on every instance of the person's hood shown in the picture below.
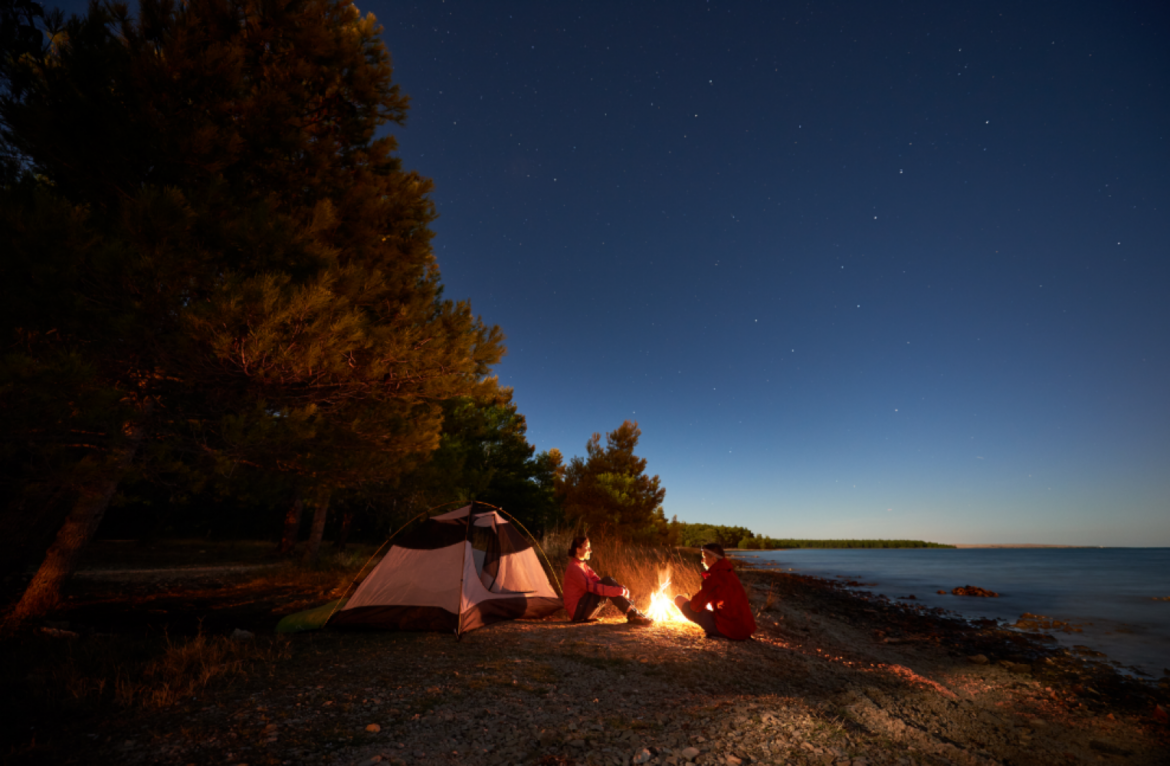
(722, 565)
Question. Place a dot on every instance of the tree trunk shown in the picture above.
(343, 533)
(292, 526)
(44, 592)
(317, 531)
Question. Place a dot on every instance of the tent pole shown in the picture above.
(463, 572)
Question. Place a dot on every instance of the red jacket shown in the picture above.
(723, 590)
(581, 579)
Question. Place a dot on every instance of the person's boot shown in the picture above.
(634, 617)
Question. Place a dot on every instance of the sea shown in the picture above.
(1115, 596)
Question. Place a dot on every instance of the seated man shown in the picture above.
(585, 592)
(730, 615)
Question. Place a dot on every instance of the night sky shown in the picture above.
(858, 270)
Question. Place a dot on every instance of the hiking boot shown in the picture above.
(634, 617)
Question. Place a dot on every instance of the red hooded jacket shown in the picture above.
(581, 579)
(723, 590)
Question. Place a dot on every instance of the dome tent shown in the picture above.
(457, 571)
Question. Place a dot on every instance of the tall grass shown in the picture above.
(642, 569)
(330, 576)
(64, 676)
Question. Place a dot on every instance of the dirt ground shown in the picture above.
(831, 677)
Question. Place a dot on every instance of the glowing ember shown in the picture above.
(662, 608)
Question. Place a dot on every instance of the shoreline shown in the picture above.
(1106, 616)
(831, 676)
(1038, 629)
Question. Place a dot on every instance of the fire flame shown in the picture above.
(662, 608)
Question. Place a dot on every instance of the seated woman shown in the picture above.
(730, 615)
(585, 592)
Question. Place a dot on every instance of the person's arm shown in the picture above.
(708, 594)
(600, 588)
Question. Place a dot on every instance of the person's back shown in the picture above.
(721, 606)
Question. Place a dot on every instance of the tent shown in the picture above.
(458, 571)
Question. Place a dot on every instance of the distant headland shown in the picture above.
(1021, 545)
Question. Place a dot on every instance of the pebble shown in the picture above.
(373, 728)
(642, 756)
(690, 753)
(242, 635)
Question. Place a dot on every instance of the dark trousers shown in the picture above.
(591, 603)
(704, 619)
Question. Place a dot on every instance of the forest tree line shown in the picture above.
(221, 311)
(694, 535)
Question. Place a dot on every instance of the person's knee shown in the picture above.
(680, 600)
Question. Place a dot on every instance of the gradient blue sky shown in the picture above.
(868, 270)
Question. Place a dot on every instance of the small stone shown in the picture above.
(242, 635)
(974, 590)
(733, 760)
(642, 756)
(978, 659)
(373, 759)
(1107, 747)
(374, 729)
(690, 753)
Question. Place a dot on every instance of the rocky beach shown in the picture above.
(833, 676)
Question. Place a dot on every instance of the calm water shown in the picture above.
(1108, 592)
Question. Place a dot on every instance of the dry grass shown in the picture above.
(62, 675)
(186, 667)
(641, 569)
(331, 575)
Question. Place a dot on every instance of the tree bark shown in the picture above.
(317, 531)
(44, 591)
(343, 534)
(292, 526)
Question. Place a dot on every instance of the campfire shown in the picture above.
(662, 608)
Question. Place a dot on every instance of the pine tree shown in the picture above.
(484, 455)
(609, 493)
(216, 252)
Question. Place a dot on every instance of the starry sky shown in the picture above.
(858, 270)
